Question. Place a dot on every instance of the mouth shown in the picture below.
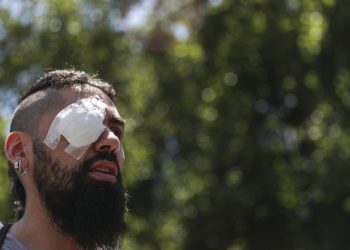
(104, 170)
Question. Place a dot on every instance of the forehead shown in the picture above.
(73, 94)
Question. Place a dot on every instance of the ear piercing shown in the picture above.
(19, 168)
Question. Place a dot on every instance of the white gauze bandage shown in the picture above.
(81, 124)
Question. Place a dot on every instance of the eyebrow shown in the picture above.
(117, 121)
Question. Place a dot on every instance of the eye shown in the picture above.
(117, 132)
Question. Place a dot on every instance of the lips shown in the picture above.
(104, 170)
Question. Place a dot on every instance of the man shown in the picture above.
(65, 161)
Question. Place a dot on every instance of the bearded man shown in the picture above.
(65, 161)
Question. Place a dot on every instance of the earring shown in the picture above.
(17, 165)
(19, 168)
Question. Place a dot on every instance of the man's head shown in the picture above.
(83, 192)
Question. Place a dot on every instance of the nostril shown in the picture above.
(107, 142)
(105, 148)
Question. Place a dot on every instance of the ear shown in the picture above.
(17, 147)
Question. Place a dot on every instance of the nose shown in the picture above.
(108, 141)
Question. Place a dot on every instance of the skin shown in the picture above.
(35, 230)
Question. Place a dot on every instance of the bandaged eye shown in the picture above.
(81, 124)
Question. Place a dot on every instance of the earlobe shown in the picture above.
(15, 147)
(20, 169)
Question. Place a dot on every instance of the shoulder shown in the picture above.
(9, 241)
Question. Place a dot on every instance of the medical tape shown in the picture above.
(80, 123)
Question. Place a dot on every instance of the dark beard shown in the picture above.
(91, 212)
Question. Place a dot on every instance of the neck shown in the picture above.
(36, 231)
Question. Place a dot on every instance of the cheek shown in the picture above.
(59, 150)
(62, 144)
(60, 154)
(121, 158)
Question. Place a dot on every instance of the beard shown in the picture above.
(89, 211)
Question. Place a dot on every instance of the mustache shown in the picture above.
(86, 165)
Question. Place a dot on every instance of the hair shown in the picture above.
(39, 99)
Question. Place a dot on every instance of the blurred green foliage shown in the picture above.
(238, 132)
(5, 204)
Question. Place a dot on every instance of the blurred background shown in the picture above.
(238, 112)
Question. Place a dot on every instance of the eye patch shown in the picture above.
(80, 123)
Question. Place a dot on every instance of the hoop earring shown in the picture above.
(19, 168)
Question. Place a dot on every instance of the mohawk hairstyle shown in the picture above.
(58, 79)
(39, 99)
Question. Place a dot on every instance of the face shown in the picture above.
(109, 140)
(84, 198)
